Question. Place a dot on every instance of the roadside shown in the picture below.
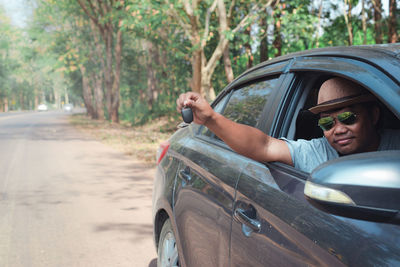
(140, 142)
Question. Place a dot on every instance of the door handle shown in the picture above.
(242, 216)
(185, 175)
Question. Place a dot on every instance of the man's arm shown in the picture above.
(245, 140)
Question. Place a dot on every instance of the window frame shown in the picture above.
(291, 101)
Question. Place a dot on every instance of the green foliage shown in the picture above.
(43, 61)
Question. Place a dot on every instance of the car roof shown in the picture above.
(384, 56)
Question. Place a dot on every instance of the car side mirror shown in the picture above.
(363, 186)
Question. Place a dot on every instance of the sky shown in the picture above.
(18, 11)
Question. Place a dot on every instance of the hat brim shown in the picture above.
(341, 103)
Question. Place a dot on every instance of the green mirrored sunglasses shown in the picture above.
(347, 117)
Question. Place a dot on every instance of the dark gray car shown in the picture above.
(214, 207)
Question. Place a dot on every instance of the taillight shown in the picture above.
(162, 150)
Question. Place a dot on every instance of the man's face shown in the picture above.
(358, 137)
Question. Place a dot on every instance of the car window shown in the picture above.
(245, 104)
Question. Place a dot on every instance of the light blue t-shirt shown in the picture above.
(309, 154)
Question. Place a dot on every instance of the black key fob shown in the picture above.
(187, 115)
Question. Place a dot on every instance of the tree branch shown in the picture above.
(91, 16)
(207, 23)
(229, 15)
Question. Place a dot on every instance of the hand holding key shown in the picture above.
(194, 107)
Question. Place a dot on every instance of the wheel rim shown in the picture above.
(169, 256)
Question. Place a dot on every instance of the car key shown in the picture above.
(187, 115)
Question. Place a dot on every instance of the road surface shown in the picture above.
(68, 200)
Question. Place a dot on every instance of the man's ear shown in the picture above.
(376, 111)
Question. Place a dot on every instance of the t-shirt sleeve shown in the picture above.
(309, 154)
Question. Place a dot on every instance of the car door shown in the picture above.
(274, 224)
(207, 178)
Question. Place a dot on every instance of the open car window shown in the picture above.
(302, 125)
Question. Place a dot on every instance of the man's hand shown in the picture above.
(202, 111)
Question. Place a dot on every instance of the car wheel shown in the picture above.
(167, 249)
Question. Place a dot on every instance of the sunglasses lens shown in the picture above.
(326, 123)
(347, 118)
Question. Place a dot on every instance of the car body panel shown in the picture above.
(204, 200)
(164, 183)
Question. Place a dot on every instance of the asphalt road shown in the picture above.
(68, 200)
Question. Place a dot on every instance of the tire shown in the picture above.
(167, 248)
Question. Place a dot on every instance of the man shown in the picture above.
(349, 124)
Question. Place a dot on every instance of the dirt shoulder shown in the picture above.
(140, 142)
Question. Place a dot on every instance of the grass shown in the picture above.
(140, 142)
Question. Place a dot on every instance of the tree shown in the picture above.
(364, 22)
(196, 23)
(263, 38)
(347, 18)
(277, 29)
(392, 22)
(105, 15)
(377, 7)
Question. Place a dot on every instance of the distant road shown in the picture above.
(67, 200)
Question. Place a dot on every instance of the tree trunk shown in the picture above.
(21, 101)
(206, 87)
(57, 96)
(66, 96)
(347, 18)
(196, 62)
(228, 65)
(277, 34)
(115, 87)
(101, 13)
(87, 94)
(364, 22)
(99, 75)
(264, 40)
(5, 104)
(36, 99)
(392, 22)
(98, 95)
(108, 72)
(377, 4)
(247, 46)
(151, 57)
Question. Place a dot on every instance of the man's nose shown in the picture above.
(339, 128)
